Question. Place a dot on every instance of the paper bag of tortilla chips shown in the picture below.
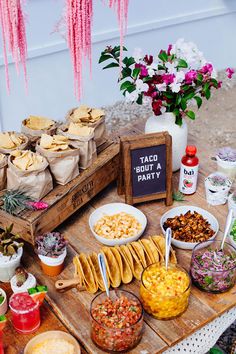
(82, 138)
(10, 141)
(3, 171)
(63, 159)
(35, 126)
(91, 117)
(28, 172)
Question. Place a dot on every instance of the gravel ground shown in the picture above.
(215, 122)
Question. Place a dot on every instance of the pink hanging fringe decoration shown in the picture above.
(12, 21)
(79, 15)
(121, 7)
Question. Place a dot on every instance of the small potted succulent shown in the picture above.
(11, 251)
(226, 161)
(22, 281)
(217, 187)
(232, 202)
(3, 302)
(51, 249)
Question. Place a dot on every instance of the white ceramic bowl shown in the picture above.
(111, 209)
(51, 335)
(182, 210)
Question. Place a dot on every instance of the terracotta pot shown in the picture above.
(52, 266)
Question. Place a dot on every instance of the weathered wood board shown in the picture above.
(65, 200)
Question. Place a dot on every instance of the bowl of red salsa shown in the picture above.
(117, 321)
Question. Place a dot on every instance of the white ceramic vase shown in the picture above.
(8, 266)
(166, 122)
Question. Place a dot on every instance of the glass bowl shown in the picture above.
(165, 293)
(213, 272)
(114, 339)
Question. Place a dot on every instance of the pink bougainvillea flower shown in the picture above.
(148, 59)
(190, 76)
(143, 69)
(156, 106)
(38, 205)
(230, 72)
(169, 49)
(219, 84)
(207, 69)
(168, 78)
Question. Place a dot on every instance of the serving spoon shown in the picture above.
(226, 231)
(102, 267)
(168, 235)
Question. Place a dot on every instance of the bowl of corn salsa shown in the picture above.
(165, 293)
(117, 321)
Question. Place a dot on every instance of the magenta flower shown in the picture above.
(38, 205)
(148, 59)
(207, 69)
(230, 72)
(190, 76)
(143, 69)
(168, 78)
(169, 49)
(219, 85)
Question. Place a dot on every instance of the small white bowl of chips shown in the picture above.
(117, 224)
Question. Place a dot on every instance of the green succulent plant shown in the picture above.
(9, 243)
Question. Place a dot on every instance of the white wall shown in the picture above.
(153, 24)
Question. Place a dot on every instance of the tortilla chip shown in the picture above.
(79, 129)
(97, 113)
(87, 274)
(10, 140)
(140, 253)
(54, 143)
(145, 244)
(112, 267)
(125, 270)
(93, 259)
(27, 160)
(46, 141)
(138, 268)
(39, 123)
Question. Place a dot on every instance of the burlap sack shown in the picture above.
(85, 144)
(64, 165)
(23, 146)
(3, 173)
(99, 127)
(35, 184)
(34, 135)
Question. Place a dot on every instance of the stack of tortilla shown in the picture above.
(54, 143)
(85, 114)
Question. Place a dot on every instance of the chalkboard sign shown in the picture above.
(146, 168)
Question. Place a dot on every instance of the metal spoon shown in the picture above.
(227, 228)
(168, 243)
(102, 267)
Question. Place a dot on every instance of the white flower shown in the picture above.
(163, 109)
(161, 87)
(175, 86)
(189, 52)
(137, 54)
(214, 73)
(141, 86)
(171, 67)
(180, 76)
(152, 69)
(131, 96)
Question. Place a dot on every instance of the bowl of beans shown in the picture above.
(165, 292)
(117, 321)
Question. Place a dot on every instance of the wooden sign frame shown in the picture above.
(130, 143)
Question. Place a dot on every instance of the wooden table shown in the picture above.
(72, 307)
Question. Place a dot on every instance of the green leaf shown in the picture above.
(161, 67)
(136, 72)
(130, 88)
(191, 115)
(198, 100)
(178, 99)
(206, 87)
(214, 82)
(208, 94)
(146, 79)
(183, 104)
(104, 57)
(215, 350)
(178, 120)
(199, 77)
(126, 72)
(111, 65)
(182, 64)
(128, 61)
(168, 94)
(125, 85)
(1, 299)
(189, 96)
(178, 196)
(140, 99)
(208, 279)
(185, 87)
(163, 56)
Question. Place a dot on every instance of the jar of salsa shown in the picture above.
(211, 269)
(165, 292)
(117, 321)
(25, 313)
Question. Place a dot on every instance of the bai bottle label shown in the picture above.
(189, 171)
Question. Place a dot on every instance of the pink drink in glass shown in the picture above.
(25, 313)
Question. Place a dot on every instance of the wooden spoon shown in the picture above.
(65, 283)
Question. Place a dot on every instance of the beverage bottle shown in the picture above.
(189, 171)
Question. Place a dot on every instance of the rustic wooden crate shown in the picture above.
(65, 200)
